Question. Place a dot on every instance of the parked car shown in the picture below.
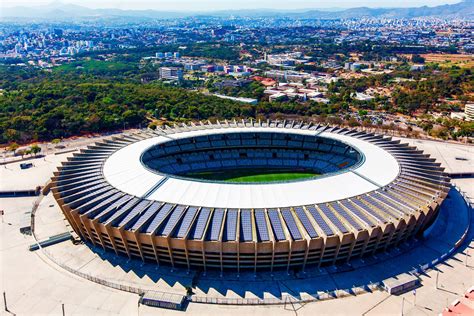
(26, 165)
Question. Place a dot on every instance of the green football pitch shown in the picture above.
(254, 175)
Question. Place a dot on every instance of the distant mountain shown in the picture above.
(463, 9)
(62, 11)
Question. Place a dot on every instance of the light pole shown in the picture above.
(403, 303)
(5, 298)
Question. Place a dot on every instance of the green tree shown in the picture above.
(35, 149)
(13, 146)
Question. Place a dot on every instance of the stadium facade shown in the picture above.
(133, 194)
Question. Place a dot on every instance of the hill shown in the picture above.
(61, 11)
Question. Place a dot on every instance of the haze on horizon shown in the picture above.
(213, 5)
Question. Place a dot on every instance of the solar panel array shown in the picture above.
(396, 199)
(140, 207)
(230, 232)
(376, 199)
(246, 225)
(200, 224)
(291, 224)
(370, 210)
(276, 225)
(98, 198)
(79, 186)
(183, 227)
(113, 206)
(216, 224)
(346, 216)
(399, 208)
(262, 228)
(93, 211)
(306, 222)
(409, 197)
(98, 193)
(159, 217)
(350, 206)
(326, 211)
(146, 216)
(80, 196)
(173, 219)
(361, 216)
(320, 220)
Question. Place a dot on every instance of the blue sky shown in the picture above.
(210, 5)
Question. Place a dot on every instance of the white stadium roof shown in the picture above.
(125, 171)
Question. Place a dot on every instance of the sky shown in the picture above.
(211, 5)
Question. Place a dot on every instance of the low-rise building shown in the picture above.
(469, 111)
(171, 73)
(238, 99)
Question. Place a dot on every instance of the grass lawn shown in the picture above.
(254, 175)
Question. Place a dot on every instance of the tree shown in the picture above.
(35, 149)
(21, 152)
(417, 59)
(13, 146)
(11, 134)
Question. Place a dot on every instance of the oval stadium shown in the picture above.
(249, 195)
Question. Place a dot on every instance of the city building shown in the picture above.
(352, 66)
(287, 75)
(171, 73)
(238, 99)
(469, 111)
(417, 67)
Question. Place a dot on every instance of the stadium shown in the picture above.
(249, 195)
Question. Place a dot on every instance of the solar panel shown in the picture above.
(408, 193)
(396, 199)
(186, 222)
(173, 219)
(216, 224)
(320, 220)
(198, 230)
(246, 225)
(76, 187)
(94, 210)
(230, 231)
(346, 216)
(291, 224)
(159, 217)
(262, 229)
(276, 225)
(412, 190)
(418, 186)
(80, 183)
(111, 208)
(361, 216)
(71, 176)
(109, 218)
(134, 212)
(146, 216)
(306, 222)
(325, 209)
(384, 205)
(80, 196)
(364, 207)
(376, 198)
